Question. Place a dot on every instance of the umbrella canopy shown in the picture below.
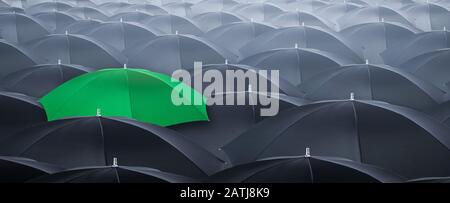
(169, 53)
(37, 81)
(428, 16)
(172, 24)
(303, 37)
(207, 6)
(13, 58)
(48, 7)
(431, 67)
(55, 22)
(145, 8)
(372, 14)
(416, 45)
(179, 8)
(74, 49)
(95, 141)
(87, 13)
(373, 82)
(225, 35)
(113, 174)
(295, 64)
(13, 107)
(134, 93)
(19, 170)
(303, 5)
(211, 20)
(258, 12)
(112, 8)
(305, 169)
(83, 26)
(393, 137)
(335, 11)
(442, 113)
(19, 28)
(297, 18)
(372, 39)
(135, 17)
(11, 10)
(226, 122)
(122, 36)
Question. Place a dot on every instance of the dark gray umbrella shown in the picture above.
(303, 37)
(48, 7)
(226, 122)
(295, 64)
(225, 35)
(297, 18)
(258, 12)
(428, 16)
(55, 22)
(112, 174)
(393, 137)
(75, 49)
(172, 24)
(39, 80)
(19, 170)
(20, 28)
(210, 20)
(122, 36)
(373, 82)
(13, 58)
(370, 40)
(442, 113)
(417, 45)
(371, 14)
(168, 53)
(94, 141)
(83, 26)
(145, 8)
(305, 169)
(87, 13)
(206, 6)
(431, 67)
(18, 111)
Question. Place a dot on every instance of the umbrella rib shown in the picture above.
(311, 173)
(355, 116)
(103, 140)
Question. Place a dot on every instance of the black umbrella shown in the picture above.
(226, 122)
(393, 137)
(19, 170)
(18, 111)
(305, 169)
(39, 80)
(373, 82)
(94, 141)
(13, 58)
(113, 174)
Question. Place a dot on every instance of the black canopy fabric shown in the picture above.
(393, 137)
(13, 107)
(94, 141)
(373, 82)
(113, 174)
(19, 170)
(431, 180)
(305, 169)
(13, 58)
(39, 80)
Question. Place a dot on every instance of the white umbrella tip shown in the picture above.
(125, 66)
(59, 61)
(367, 61)
(296, 45)
(176, 32)
(352, 96)
(99, 112)
(115, 164)
(307, 152)
(66, 32)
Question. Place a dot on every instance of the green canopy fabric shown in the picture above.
(134, 93)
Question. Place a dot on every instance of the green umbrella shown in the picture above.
(134, 93)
